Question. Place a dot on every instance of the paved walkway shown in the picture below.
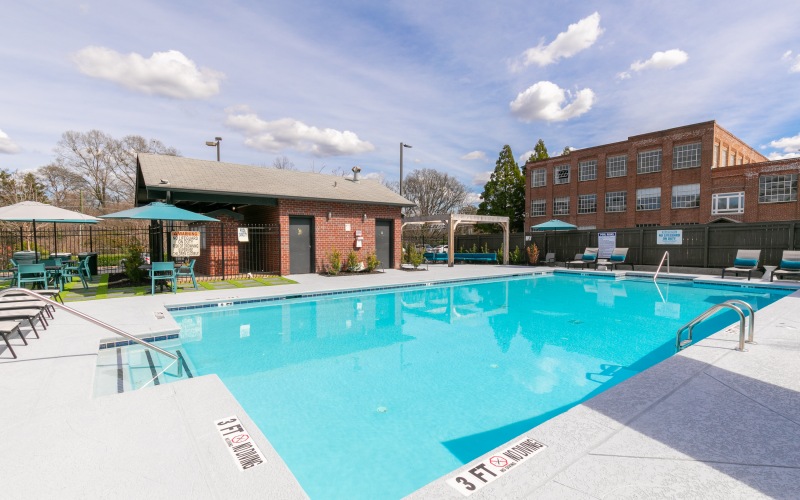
(709, 422)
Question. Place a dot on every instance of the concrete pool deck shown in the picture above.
(708, 422)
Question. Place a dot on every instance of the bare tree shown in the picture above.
(125, 159)
(62, 186)
(283, 163)
(434, 192)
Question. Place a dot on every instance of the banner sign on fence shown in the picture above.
(243, 236)
(185, 243)
(606, 242)
(669, 237)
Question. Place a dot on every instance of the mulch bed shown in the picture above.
(120, 280)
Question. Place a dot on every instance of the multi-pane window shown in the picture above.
(587, 203)
(716, 155)
(648, 161)
(561, 174)
(775, 188)
(686, 155)
(538, 177)
(723, 158)
(686, 196)
(727, 203)
(561, 206)
(587, 170)
(648, 199)
(538, 208)
(617, 166)
(616, 201)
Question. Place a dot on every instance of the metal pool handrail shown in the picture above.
(729, 304)
(90, 319)
(666, 256)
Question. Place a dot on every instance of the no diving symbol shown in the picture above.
(241, 438)
(498, 461)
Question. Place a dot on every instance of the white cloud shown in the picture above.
(170, 74)
(287, 133)
(7, 146)
(523, 158)
(546, 101)
(482, 178)
(579, 36)
(794, 61)
(473, 199)
(474, 155)
(779, 156)
(659, 60)
(787, 144)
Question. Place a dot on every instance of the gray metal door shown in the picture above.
(300, 245)
(383, 242)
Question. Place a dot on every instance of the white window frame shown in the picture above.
(542, 203)
(561, 205)
(686, 155)
(617, 166)
(777, 188)
(615, 208)
(587, 203)
(649, 161)
(648, 199)
(587, 170)
(686, 196)
(558, 174)
(538, 177)
(721, 202)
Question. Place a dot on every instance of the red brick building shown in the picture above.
(687, 175)
(314, 213)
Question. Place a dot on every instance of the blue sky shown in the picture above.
(331, 85)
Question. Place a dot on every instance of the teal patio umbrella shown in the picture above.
(158, 211)
(553, 225)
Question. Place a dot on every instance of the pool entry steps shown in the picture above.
(734, 304)
(123, 369)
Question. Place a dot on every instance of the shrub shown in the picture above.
(372, 262)
(415, 258)
(533, 254)
(516, 256)
(352, 262)
(334, 263)
(133, 259)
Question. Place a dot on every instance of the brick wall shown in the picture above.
(711, 180)
(210, 261)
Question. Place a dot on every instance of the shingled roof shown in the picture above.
(178, 174)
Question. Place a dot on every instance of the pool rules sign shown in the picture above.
(476, 476)
(185, 243)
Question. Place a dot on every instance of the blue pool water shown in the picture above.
(373, 395)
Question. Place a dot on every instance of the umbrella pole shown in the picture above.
(35, 246)
(55, 238)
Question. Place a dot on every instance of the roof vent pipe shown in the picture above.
(356, 173)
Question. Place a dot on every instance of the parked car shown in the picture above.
(441, 249)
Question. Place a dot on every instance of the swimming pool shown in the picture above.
(375, 394)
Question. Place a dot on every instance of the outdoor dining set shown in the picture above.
(50, 273)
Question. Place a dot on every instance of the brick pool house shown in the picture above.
(308, 215)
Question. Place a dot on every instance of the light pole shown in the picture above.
(213, 143)
(402, 145)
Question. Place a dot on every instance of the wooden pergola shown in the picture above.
(452, 221)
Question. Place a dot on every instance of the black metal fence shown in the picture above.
(703, 245)
(111, 244)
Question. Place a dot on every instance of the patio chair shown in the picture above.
(790, 265)
(746, 261)
(32, 273)
(187, 271)
(85, 271)
(74, 270)
(163, 271)
(7, 328)
(586, 259)
(617, 257)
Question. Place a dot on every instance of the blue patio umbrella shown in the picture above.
(159, 211)
(554, 225)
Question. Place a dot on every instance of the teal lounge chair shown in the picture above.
(587, 259)
(746, 261)
(790, 265)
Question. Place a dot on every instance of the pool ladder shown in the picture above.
(733, 304)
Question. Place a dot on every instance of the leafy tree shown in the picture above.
(539, 152)
(20, 186)
(504, 193)
(566, 151)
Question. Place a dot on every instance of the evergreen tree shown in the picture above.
(539, 152)
(504, 194)
(566, 151)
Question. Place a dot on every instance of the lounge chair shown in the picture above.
(617, 257)
(746, 261)
(550, 259)
(790, 265)
(29, 315)
(8, 327)
(587, 258)
(48, 294)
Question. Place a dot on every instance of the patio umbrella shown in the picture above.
(158, 211)
(33, 211)
(553, 225)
